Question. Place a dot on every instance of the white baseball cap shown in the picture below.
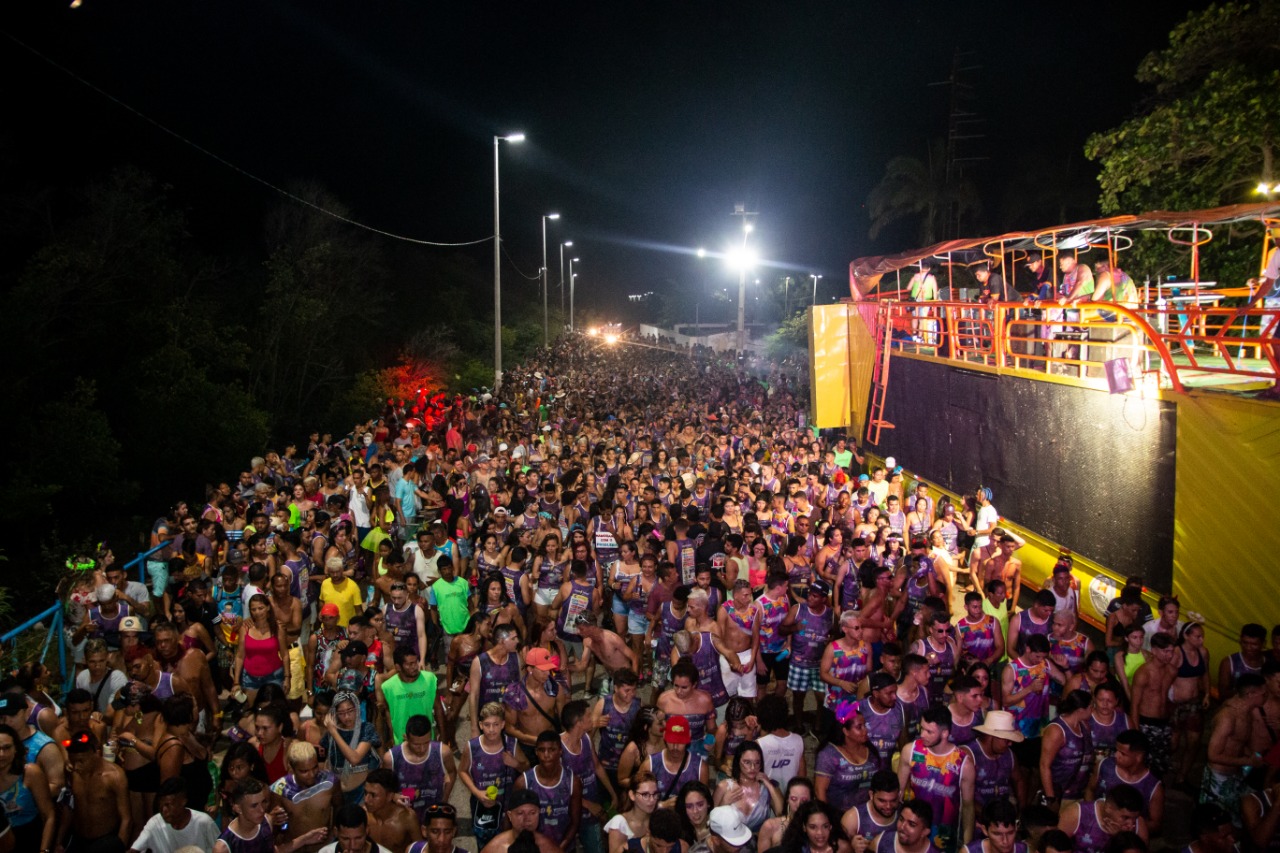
(726, 822)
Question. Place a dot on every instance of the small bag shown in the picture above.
(351, 777)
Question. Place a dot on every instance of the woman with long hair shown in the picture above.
(494, 602)
(748, 789)
(815, 829)
(180, 752)
(847, 761)
(644, 739)
(633, 821)
(548, 571)
(621, 573)
(24, 795)
(194, 635)
(799, 791)
(1190, 697)
(693, 805)
(241, 762)
(462, 651)
(262, 654)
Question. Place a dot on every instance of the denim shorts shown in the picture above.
(253, 682)
(637, 623)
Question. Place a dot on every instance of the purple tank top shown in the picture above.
(668, 624)
(665, 777)
(613, 737)
(979, 640)
(578, 602)
(422, 783)
(554, 801)
(992, 775)
(486, 565)
(583, 765)
(850, 587)
(707, 660)
(847, 666)
(1070, 767)
(1089, 836)
(1104, 734)
(164, 687)
(107, 628)
(1027, 627)
(883, 730)
(551, 575)
(299, 577)
(494, 677)
(261, 842)
(1108, 778)
(963, 733)
(850, 783)
(403, 625)
(511, 580)
(868, 825)
(912, 711)
(489, 769)
(942, 665)
(810, 640)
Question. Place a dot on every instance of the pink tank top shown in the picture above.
(261, 657)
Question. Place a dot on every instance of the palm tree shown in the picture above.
(912, 187)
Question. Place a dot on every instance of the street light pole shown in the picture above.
(497, 264)
(572, 261)
(815, 287)
(545, 327)
(741, 210)
(569, 244)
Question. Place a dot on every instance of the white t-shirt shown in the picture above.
(358, 503)
(160, 837)
(115, 680)
(249, 592)
(619, 823)
(988, 516)
(782, 757)
(879, 491)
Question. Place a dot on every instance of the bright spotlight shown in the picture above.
(741, 257)
(593, 332)
(702, 253)
(610, 338)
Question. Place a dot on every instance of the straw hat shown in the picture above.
(1000, 724)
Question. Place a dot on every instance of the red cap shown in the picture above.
(677, 730)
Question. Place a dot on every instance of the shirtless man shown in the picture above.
(391, 824)
(1150, 700)
(523, 811)
(739, 623)
(78, 706)
(1232, 743)
(306, 793)
(190, 666)
(101, 796)
(1005, 567)
(534, 702)
(607, 647)
(686, 699)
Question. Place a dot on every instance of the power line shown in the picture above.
(338, 216)
(516, 266)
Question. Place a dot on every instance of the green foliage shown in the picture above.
(791, 338)
(1204, 139)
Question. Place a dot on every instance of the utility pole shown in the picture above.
(741, 210)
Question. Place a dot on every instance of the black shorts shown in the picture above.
(774, 666)
(1027, 753)
(144, 779)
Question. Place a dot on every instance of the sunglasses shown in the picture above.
(442, 809)
(398, 586)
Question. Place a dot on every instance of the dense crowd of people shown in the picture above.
(630, 603)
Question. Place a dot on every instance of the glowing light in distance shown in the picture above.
(702, 253)
(610, 338)
(593, 332)
(514, 137)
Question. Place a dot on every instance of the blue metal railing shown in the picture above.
(54, 618)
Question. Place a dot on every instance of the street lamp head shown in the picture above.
(575, 260)
(748, 227)
(513, 137)
(702, 253)
(553, 216)
(567, 243)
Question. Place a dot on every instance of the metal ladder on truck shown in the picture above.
(880, 373)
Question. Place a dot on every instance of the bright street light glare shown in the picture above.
(748, 227)
(741, 258)
(553, 216)
(1263, 187)
(567, 243)
(575, 260)
(514, 137)
(611, 338)
(702, 253)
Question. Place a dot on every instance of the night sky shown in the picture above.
(646, 122)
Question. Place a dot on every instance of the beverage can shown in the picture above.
(109, 751)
